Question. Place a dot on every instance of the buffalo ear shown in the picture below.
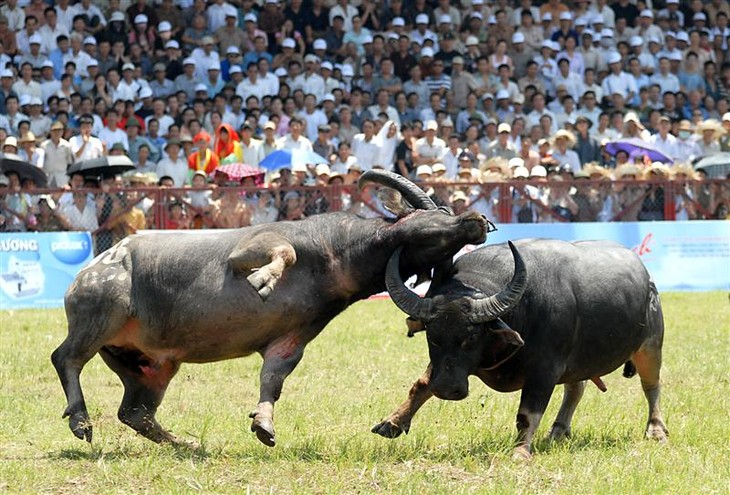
(414, 326)
(503, 331)
(393, 202)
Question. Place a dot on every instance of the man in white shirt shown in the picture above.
(252, 149)
(430, 149)
(51, 30)
(365, 146)
(26, 85)
(14, 15)
(96, 20)
(294, 140)
(667, 81)
(663, 140)
(618, 82)
(174, 165)
(313, 116)
(252, 85)
(309, 80)
(111, 134)
(84, 145)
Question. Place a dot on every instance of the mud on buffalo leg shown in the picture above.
(572, 393)
(280, 359)
(400, 421)
(87, 333)
(145, 384)
(269, 255)
(648, 361)
(533, 402)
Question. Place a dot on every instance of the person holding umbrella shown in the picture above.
(84, 145)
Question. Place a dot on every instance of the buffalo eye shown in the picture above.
(470, 339)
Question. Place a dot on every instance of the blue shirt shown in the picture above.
(254, 57)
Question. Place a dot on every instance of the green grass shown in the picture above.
(352, 376)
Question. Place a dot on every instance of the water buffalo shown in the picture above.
(585, 309)
(157, 300)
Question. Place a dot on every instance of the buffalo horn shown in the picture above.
(410, 192)
(490, 308)
(406, 300)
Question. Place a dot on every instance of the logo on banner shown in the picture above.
(71, 248)
(645, 246)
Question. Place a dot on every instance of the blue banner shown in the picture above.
(36, 269)
(681, 256)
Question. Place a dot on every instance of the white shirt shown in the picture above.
(365, 152)
(165, 122)
(667, 146)
(287, 143)
(313, 84)
(246, 88)
(203, 61)
(433, 150)
(623, 84)
(93, 148)
(48, 36)
(177, 170)
(81, 220)
(90, 13)
(110, 137)
(253, 153)
(216, 16)
(313, 120)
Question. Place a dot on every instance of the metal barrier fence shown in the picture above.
(121, 212)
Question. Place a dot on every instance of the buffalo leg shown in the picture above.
(280, 359)
(144, 389)
(400, 421)
(572, 394)
(268, 255)
(533, 402)
(648, 362)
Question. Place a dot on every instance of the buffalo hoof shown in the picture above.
(656, 430)
(559, 432)
(389, 430)
(522, 453)
(264, 429)
(80, 425)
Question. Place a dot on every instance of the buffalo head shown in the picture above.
(463, 326)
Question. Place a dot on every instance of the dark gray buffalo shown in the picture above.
(585, 309)
(155, 301)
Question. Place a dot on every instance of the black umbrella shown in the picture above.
(11, 162)
(103, 166)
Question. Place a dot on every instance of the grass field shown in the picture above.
(353, 375)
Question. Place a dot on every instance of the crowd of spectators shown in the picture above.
(441, 91)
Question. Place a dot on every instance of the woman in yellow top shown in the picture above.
(228, 145)
(204, 159)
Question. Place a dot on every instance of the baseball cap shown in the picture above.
(319, 44)
(117, 17)
(250, 17)
(189, 61)
(128, 66)
(422, 19)
(201, 87)
(172, 44)
(398, 22)
(140, 19)
(518, 37)
(164, 26)
(288, 43)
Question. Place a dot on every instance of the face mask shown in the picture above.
(684, 134)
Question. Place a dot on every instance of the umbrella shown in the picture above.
(11, 162)
(238, 171)
(716, 165)
(635, 146)
(282, 158)
(105, 165)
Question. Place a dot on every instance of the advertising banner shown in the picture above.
(681, 256)
(36, 269)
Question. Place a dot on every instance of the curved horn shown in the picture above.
(407, 301)
(493, 307)
(410, 192)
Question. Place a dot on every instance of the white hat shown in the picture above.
(189, 61)
(288, 43)
(326, 65)
(128, 66)
(250, 17)
(281, 72)
(636, 41)
(471, 40)
(547, 16)
(347, 71)
(546, 44)
(49, 64)
(683, 36)
(431, 125)
(164, 26)
(7, 73)
(614, 58)
(427, 52)
(518, 37)
(172, 44)
(145, 92)
(422, 19)
(538, 171)
(699, 16)
(445, 19)
(492, 19)
(504, 127)
(555, 46)
(310, 57)
(478, 15)
(669, 2)
(89, 40)
(521, 173)
(398, 22)
(598, 19)
(35, 40)
(230, 11)
(91, 63)
(236, 69)
(654, 39)
(393, 36)
(201, 87)
(35, 100)
(116, 16)
(319, 44)
(367, 39)
(423, 170)
(214, 66)
(328, 97)
(588, 32)
(516, 162)
(438, 167)
(566, 16)
(24, 100)
(140, 19)
(580, 21)
(675, 56)
(322, 169)
(503, 94)
(272, 1)
(647, 13)
(233, 49)
(606, 33)
(670, 34)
